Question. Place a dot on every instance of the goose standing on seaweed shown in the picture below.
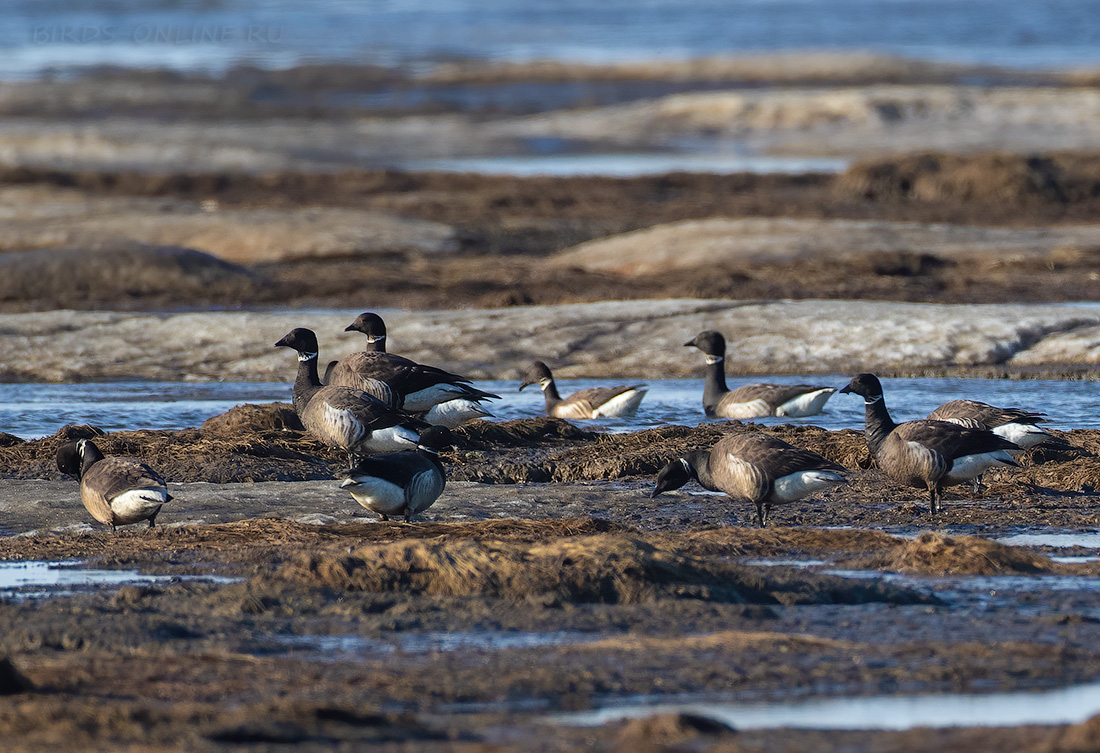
(351, 419)
(927, 453)
(753, 467)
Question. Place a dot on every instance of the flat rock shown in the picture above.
(728, 242)
(628, 339)
(35, 218)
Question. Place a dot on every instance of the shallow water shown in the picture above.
(36, 410)
(197, 35)
(629, 165)
(1084, 539)
(36, 579)
(1063, 706)
(429, 642)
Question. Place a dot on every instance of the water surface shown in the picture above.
(36, 410)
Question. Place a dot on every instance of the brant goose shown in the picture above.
(752, 400)
(753, 467)
(396, 380)
(397, 483)
(454, 413)
(597, 402)
(117, 491)
(927, 453)
(341, 416)
(1014, 424)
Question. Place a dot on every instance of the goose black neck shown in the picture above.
(376, 345)
(306, 382)
(879, 423)
(714, 386)
(433, 457)
(550, 392)
(699, 466)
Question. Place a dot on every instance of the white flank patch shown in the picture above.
(437, 393)
(797, 485)
(454, 413)
(936, 462)
(424, 489)
(969, 467)
(379, 389)
(342, 426)
(752, 409)
(807, 404)
(625, 404)
(1025, 435)
(137, 504)
(375, 494)
(392, 439)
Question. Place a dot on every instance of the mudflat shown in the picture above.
(172, 227)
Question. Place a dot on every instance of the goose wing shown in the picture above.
(773, 394)
(951, 440)
(776, 457)
(115, 475)
(403, 376)
(397, 468)
(974, 413)
(594, 397)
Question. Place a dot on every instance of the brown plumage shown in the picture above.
(341, 416)
(753, 467)
(115, 490)
(752, 400)
(596, 402)
(928, 454)
(395, 380)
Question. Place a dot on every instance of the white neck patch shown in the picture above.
(306, 356)
(375, 338)
(713, 359)
(544, 383)
(872, 400)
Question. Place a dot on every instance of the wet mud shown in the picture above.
(513, 601)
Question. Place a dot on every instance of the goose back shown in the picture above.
(754, 467)
(114, 490)
(402, 383)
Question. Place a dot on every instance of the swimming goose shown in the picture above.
(117, 491)
(396, 380)
(396, 483)
(753, 467)
(927, 453)
(752, 400)
(596, 402)
(341, 416)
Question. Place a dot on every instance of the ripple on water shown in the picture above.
(38, 579)
(896, 712)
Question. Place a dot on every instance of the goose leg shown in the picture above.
(384, 516)
(978, 485)
(934, 499)
(761, 515)
(153, 518)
